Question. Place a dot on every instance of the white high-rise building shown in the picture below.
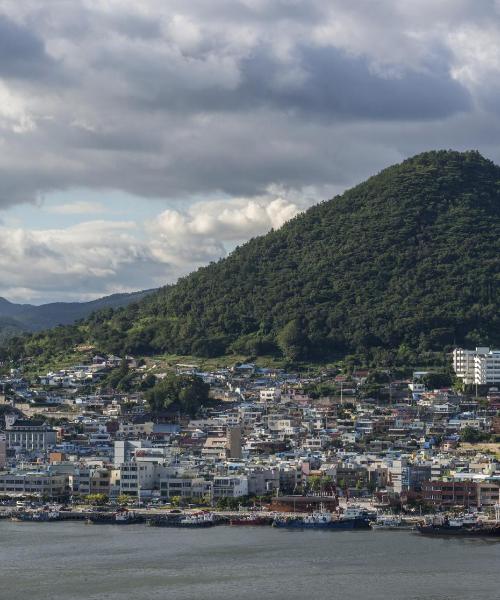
(480, 366)
(3, 451)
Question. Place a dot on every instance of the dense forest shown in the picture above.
(19, 318)
(403, 264)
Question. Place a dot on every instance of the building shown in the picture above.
(270, 394)
(125, 450)
(29, 435)
(480, 366)
(42, 484)
(92, 480)
(215, 448)
(3, 451)
(234, 442)
(140, 477)
(448, 494)
(229, 487)
(187, 488)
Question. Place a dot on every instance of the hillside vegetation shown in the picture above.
(18, 318)
(402, 265)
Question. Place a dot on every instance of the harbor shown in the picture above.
(353, 517)
(81, 562)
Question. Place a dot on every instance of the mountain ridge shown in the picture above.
(18, 318)
(402, 264)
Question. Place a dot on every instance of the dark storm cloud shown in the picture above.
(22, 52)
(169, 99)
(336, 85)
(319, 83)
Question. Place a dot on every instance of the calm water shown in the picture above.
(73, 561)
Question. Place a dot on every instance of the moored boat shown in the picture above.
(322, 520)
(197, 520)
(464, 526)
(251, 520)
(392, 523)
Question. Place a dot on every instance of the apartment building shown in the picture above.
(480, 366)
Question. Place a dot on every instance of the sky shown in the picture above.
(141, 140)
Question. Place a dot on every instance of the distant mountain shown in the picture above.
(19, 318)
(404, 264)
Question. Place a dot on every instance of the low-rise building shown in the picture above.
(42, 484)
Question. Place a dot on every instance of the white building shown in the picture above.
(480, 366)
(186, 487)
(270, 394)
(230, 487)
(125, 450)
(140, 477)
(24, 434)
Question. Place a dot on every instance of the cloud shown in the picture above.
(169, 99)
(77, 207)
(99, 257)
(80, 261)
(233, 99)
(22, 52)
(14, 115)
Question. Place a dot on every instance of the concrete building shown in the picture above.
(480, 366)
(141, 477)
(41, 484)
(448, 494)
(3, 451)
(125, 450)
(185, 487)
(91, 481)
(270, 394)
(29, 435)
(230, 487)
(215, 448)
(234, 442)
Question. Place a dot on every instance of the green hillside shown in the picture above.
(403, 264)
(17, 318)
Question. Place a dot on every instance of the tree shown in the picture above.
(148, 382)
(471, 435)
(97, 499)
(123, 499)
(351, 275)
(292, 340)
(187, 393)
(433, 381)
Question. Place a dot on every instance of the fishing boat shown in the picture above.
(251, 520)
(126, 517)
(354, 511)
(464, 526)
(322, 519)
(392, 523)
(197, 520)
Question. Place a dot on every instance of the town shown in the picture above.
(267, 440)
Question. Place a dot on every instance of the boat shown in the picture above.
(125, 517)
(354, 511)
(251, 520)
(392, 523)
(322, 520)
(197, 520)
(463, 526)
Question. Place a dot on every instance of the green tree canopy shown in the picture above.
(186, 393)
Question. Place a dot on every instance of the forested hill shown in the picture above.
(16, 318)
(404, 263)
